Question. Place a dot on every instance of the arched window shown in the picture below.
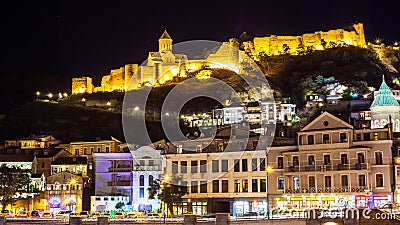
(141, 180)
(150, 180)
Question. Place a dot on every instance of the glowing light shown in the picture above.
(65, 95)
(37, 93)
(82, 90)
(60, 95)
(269, 169)
(319, 47)
(72, 181)
(50, 95)
(349, 42)
(192, 67)
(167, 178)
(83, 99)
(397, 160)
(136, 108)
(108, 103)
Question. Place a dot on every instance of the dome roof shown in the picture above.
(384, 97)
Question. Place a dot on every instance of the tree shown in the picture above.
(119, 205)
(285, 49)
(323, 43)
(300, 49)
(14, 182)
(172, 192)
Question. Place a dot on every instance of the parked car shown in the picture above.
(131, 215)
(153, 215)
(106, 214)
(63, 214)
(22, 214)
(250, 214)
(47, 215)
(35, 214)
(84, 214)
(119, 215)
(74, 214)
(95, 215)
(7, 213)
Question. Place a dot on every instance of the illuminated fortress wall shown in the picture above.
(275, 45)
(160, 67)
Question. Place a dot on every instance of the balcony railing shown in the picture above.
(326, 190)
(323, 168)
(120, 169)
(120, 183)
(64, 192)
(146, 168)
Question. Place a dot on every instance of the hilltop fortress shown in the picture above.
(319, 40)
(163, 64)
(160, 67)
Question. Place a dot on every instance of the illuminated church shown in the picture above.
(158, 67)
(383, 107)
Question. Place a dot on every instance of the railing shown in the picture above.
(65, 192)
(326, 190)
(323, 168)
(146, 168)
(120, 183)
(120, 169)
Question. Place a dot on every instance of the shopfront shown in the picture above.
(180, 208)
(362, 201)
(379, 200)
(199, 206)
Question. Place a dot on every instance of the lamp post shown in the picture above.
(72, 182)
(37, 95)
(166, 179)
(268, 170)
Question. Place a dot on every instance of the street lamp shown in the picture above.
(37, 95)
(268, 170)
(72, 182)
(164, 184)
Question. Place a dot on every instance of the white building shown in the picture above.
(383, 107)
(126, 175)
(146, 169)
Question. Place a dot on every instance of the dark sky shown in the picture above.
(61, 39)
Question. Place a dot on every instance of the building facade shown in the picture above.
(319, 40)
(385, 108)
(337, 166)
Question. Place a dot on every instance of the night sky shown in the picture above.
(56, 40)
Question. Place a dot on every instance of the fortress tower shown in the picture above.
(165, 42)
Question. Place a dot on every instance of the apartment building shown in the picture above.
(337, 166)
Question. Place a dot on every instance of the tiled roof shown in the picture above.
(165, 35)
(70, 161)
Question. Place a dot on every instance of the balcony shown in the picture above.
(146, 168)
(354, 189)
(120, 169)
(324, 168)
(120, 183)
(64, 192)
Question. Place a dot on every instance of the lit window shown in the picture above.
(281, 183)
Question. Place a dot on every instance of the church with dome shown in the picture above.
(383, 107)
